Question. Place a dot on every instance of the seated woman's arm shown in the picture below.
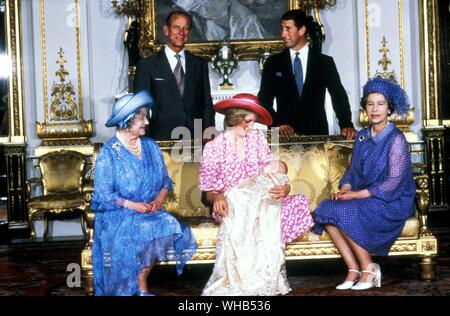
(400, 168)
(219, 202)
(210, 181)
(348, 194)
(105, 197)
(389, 188)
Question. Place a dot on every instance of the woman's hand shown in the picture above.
(348, 194)
(337, 195)
(154, 206)
(279, 192)
(220, 205)
(140, 207)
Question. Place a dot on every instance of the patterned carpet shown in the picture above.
(39, 269)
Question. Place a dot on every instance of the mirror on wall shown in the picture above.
(4, 73)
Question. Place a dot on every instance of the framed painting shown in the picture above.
(249, 25)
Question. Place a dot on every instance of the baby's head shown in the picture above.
(276, 166)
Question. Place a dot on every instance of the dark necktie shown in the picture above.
(179, 74)
(298, 74)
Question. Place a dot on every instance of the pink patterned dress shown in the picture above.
(221, 169)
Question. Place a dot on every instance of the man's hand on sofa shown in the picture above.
(348, 132)
(285, 131)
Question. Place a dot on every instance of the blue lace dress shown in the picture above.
(126, 241)
(381, 164)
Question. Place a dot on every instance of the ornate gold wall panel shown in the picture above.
(16, 188)
(14, 145)
(434, 131)
(64, 122)
(368, 41)
(429, 38)
(435, 158)
(15, 93)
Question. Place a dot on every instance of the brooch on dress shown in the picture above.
(117, 146)
(361, 138)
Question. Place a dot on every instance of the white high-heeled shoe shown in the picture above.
(373, 269)
(348, 284)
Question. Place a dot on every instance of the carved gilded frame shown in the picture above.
(16, 111)
(430, 60)
(246, 49)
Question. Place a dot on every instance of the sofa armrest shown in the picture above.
(422, 202)
(89, 216)
(30, 185)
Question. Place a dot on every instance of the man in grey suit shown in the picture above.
(178, 82)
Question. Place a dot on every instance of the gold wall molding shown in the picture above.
(64, 122)
(63, 106)
(366, 37)
(429, 52)
(401, 41)
(435, 149)
(65, 134)
(16, 118)
(401, 36)
(384, 62)
(43, 57)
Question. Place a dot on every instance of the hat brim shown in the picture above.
(264, 116)
(139, 100)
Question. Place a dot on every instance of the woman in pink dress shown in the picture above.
(257, 217)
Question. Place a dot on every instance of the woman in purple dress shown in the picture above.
(376, 192)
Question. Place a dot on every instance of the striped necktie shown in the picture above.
(179, 74)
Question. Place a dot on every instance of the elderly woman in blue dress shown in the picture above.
(376, 192)
(132, 230)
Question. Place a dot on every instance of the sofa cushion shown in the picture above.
(185, 201)
(338, 157)
(307, 170)
(205, 231)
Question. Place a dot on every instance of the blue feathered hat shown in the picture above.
(394, 94)
(126, 106)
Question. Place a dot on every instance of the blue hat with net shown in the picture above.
(394, 94)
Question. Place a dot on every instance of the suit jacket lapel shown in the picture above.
(289, 71)
(188, 74)
(166, 72)
(287, 66)
(309, 69)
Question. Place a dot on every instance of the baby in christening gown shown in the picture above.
(250, 258)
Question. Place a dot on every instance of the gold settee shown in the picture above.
(316, 165)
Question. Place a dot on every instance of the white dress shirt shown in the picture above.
(173, 60)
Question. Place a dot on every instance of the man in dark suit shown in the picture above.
(298, 77)
(178, 82)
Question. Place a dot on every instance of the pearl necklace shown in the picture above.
(134, 149)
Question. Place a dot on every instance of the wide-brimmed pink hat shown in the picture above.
(245, 101)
